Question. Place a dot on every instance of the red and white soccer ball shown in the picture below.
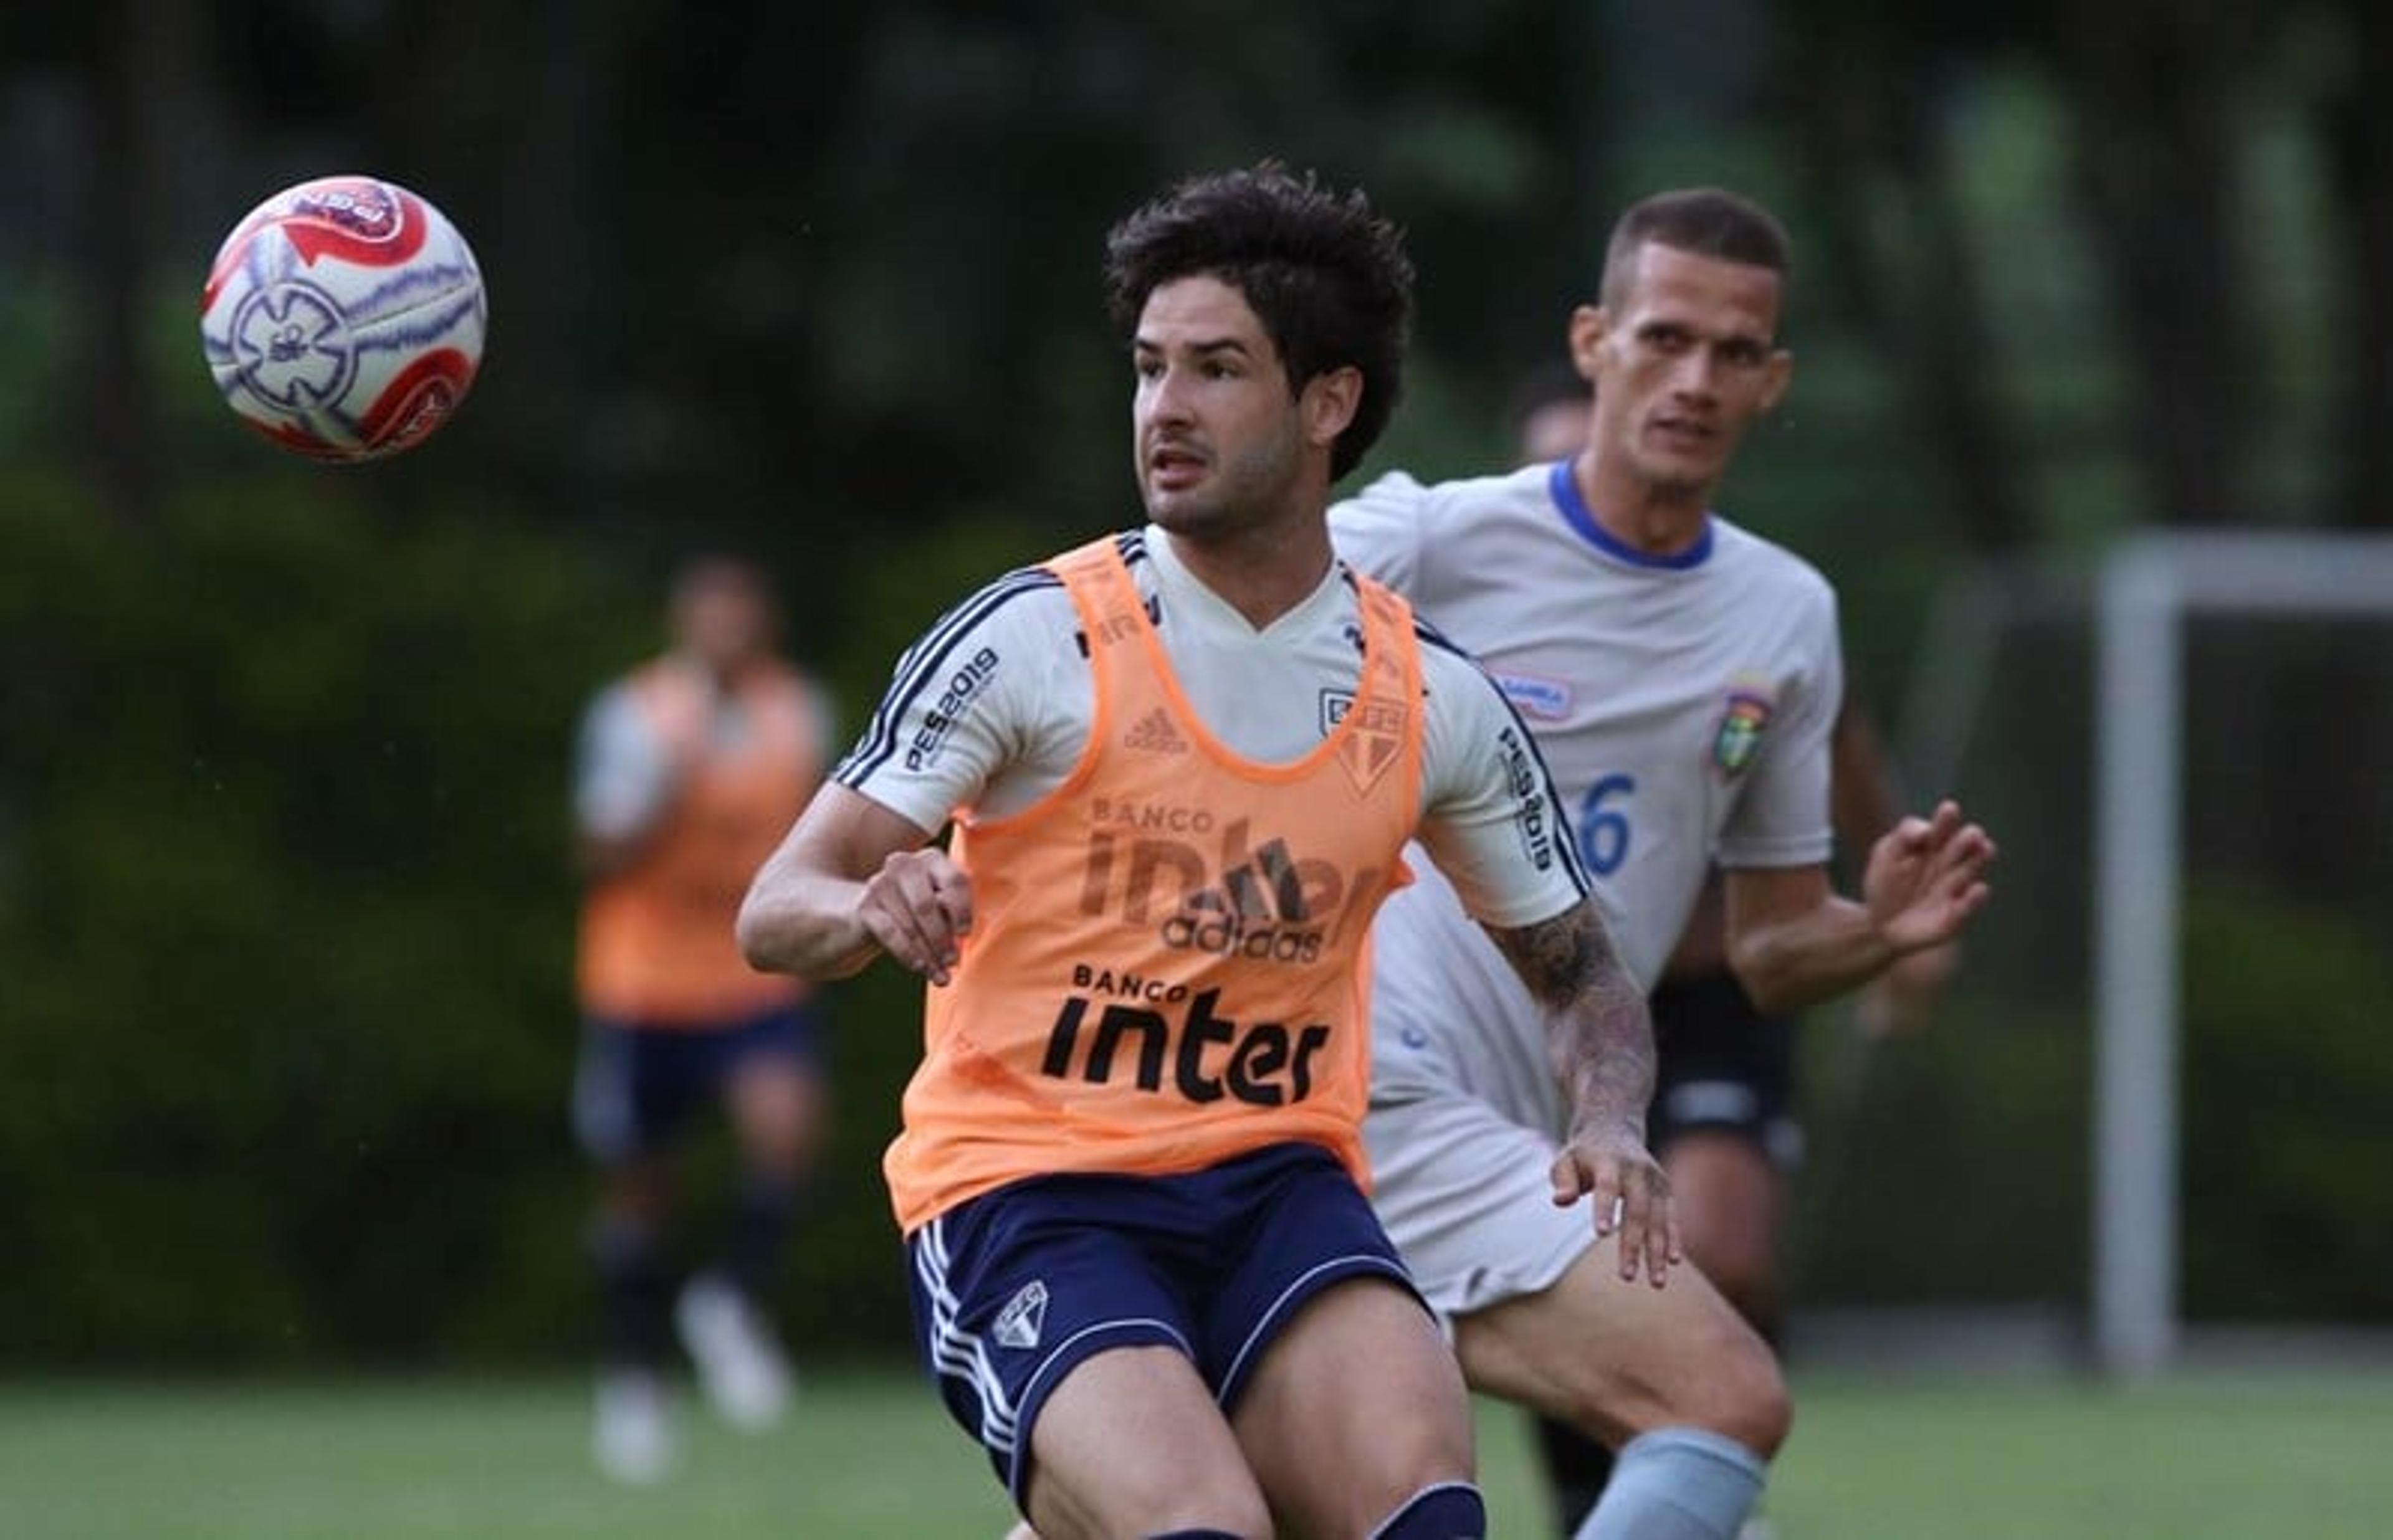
(344, 318)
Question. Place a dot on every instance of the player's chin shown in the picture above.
(1182, 513)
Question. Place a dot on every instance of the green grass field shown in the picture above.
(2199, 1457)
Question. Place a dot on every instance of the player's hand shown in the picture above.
(918, 906)
(1926, 878)
(1632, 1196)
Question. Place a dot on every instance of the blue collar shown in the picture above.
(1565, 486)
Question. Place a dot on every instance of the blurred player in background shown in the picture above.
(689, 769)
(1724, 1120)
(1682, 677)
(1184, 763)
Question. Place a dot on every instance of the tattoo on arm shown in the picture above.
(1599, 1035)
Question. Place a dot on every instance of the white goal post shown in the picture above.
(2149, 586)
(2145, 590)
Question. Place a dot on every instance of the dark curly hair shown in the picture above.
(1325, 273)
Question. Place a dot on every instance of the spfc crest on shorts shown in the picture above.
(1024, 1315)
(1738, 736)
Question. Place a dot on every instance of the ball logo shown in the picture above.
(362, 208)
(416, 403)
(292, 346)
(360, 220)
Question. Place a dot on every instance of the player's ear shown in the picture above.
(1589, 324)
(1329, 402)
(1778, 373)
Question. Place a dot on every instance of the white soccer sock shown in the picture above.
(1676, 1484)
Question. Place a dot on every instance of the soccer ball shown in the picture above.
(343, 317)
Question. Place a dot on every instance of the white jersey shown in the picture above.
(992, 709)
(1682, 704)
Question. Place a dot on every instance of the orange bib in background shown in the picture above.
(657, 943)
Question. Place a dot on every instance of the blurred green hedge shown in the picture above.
(1955, 1165)
(285, 926)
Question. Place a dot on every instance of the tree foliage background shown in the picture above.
(285, 911)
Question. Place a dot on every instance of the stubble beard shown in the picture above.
(1244, 494)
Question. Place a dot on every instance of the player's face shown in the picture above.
(1683, 361)
(725, 624)
(1221, 441)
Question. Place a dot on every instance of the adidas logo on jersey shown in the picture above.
(1018, 1323)
(1155, 735)
(1258, 909)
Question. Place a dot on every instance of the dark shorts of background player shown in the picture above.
(1014, 1288)
(639, 1083)
(1724, 1067)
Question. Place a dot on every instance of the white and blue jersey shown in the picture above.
(1682, 704)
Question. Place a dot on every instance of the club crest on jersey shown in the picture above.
(1738, 737)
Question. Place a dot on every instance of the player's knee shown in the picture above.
(1452, 1511)
(1717, 1375)
(1750, 1400)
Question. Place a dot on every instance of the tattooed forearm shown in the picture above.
(1599, 1034)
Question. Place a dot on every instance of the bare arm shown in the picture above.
(1602, 1042)
(1867, 801)
(850, 880)
(1793, 941)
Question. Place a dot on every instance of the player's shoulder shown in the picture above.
(1453, 681)
(1461, 497)
(1027, 598)
(1737, 548)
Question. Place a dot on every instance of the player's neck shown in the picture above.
(1261, 574)
(1657, 518)
(722, 675)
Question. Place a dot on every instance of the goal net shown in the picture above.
(2155, 1099)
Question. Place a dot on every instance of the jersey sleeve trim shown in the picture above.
(926, 666)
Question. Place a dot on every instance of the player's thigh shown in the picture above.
(773, 1090)
(1728, 1196)
(1357, 1405)
(776, 1103)
(1131, 1443)
(1619, 1357)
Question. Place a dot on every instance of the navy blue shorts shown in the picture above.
(1724, 1067)
(637, 1085)
(1014, 1288)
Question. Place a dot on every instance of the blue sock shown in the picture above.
(1676, 1484)
(752, 1258)
(635, 1294)
(1451, 1511)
